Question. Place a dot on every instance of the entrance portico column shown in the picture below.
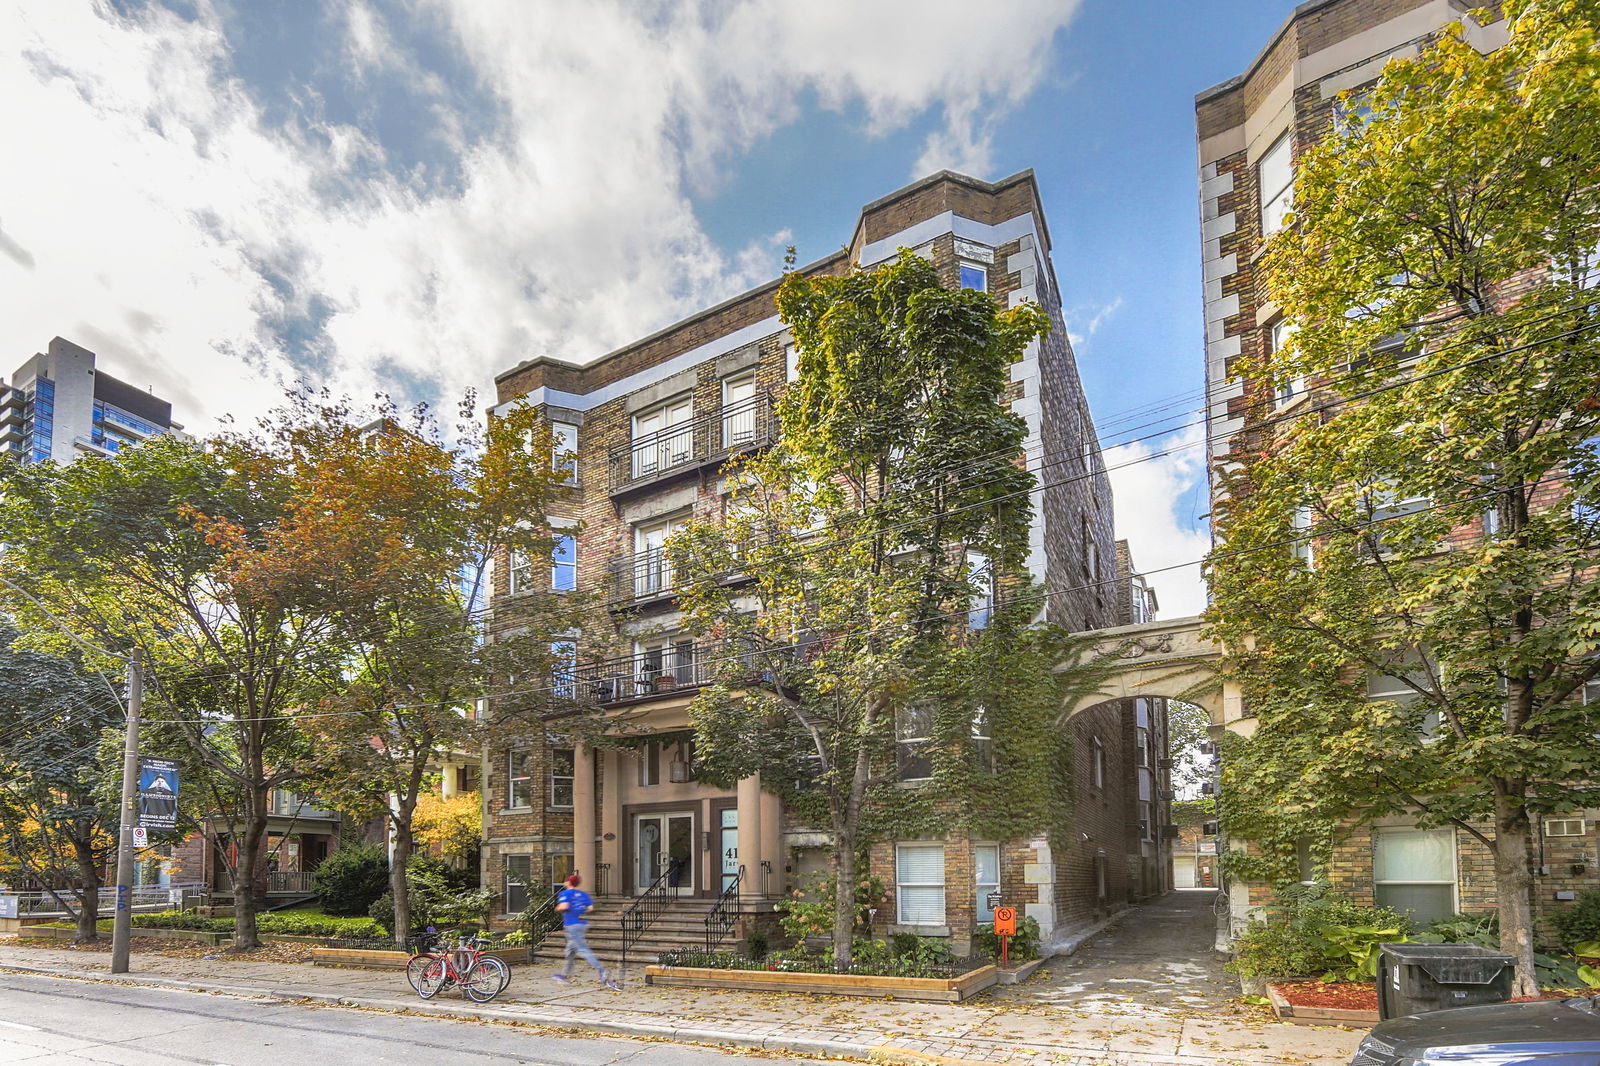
(583, 857)
(750, 849)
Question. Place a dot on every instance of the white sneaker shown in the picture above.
(559, 978)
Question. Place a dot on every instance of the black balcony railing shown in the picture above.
(641, 576)
(668, 668)
(699, 441)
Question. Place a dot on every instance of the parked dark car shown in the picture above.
(1549, 1032)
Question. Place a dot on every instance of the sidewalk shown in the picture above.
(1094, 1033)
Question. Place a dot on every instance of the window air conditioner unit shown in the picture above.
(1169, 830)
(1563, 827)
(678, 772)
(1207, 748)
(1208, 788)
(1167, 764)
(1208, 829)
(1169, 794)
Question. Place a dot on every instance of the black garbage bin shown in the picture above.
(1413, 978)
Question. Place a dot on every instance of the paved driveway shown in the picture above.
(1159, 955)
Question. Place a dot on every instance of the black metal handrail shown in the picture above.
(724, 913)
(650, 905)
(542, 920)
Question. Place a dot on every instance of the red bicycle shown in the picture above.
(481, 977)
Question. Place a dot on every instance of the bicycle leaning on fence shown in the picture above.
(481, 977)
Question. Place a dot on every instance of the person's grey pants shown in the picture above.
(578, 946)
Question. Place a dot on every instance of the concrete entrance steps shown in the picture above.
(681, 925)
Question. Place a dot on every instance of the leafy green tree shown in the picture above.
(1407, 579)
(147, 550)
(388, 531)
(57, 829)
(893, 513)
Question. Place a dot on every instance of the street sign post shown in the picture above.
(1005, 927)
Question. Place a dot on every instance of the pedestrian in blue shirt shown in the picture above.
(573, 903)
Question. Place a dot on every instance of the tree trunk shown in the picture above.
(844, 896)
(1513, 882)
(398, 887)
(248, 887)
(88, 914)
(89, 895)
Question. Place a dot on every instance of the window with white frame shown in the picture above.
(652, 571)
(1141, 743)
(739, 402)
(665, 660)
(1414, 871)
(791, 363)
(974, 276)
(1147, 828)
(562, 767)
(519, 571)
(564, 563)
(1097, 763)
(1091, 551)
(663, 437)
(650, 763)
(519, 778)
(1275, 179)
(1585, 474)
(1290, 387)
(986, 868)
(564, 668)
(1389, 506)
(1404, 683)
(980, 579)
(919, 883)
(564, 454)
(913, 727)
(518, 876)
(1086, 450)
(1302, 547)
(982, 740)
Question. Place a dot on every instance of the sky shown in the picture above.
(223, 197)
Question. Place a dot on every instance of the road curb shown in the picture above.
(775, 1042)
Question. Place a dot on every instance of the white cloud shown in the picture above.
(1097, 318)
(1157, 486)
(160, 217)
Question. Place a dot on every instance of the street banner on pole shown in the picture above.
(158, 794)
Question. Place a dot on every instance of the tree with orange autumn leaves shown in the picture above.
(298, 592)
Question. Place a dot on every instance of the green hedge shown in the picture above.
(279, 924)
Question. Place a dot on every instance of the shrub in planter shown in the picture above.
(348, 881)
(182, 920)
(1579, 923)
(1275, 950)
(1025, 946)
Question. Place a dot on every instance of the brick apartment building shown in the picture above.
(651, 425)
(1251, 129)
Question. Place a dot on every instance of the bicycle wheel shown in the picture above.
(486, 979)
(434, 977)
(414, 970)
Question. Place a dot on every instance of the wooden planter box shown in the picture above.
(928, 989)
(1298, 1015)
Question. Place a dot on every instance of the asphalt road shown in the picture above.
(46, 1021)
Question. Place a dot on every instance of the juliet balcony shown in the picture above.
(693, 445)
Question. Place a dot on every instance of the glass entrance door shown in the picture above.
(664, 844)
